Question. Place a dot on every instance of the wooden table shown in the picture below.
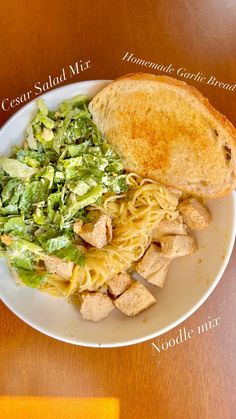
(196, 379)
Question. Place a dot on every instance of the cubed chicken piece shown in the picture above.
(96, 306)
(153, 266)
(119, 283)
(103, 289)
(98, 233)
(81, 248)
(57, 266)
(169, 227)
(195, 215)
(174, 246)
(176, 192)
(135, 299)
(159, 277)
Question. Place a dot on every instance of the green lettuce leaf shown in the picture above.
(9, 190)
(35, 191)
(32, 158)
(22, 259)
(16, 226)
(29, 277)
(16, 169)
(25, 245)
(71, 253)
(74, 205)
(9, 210)
(43, 109)
(56, 243)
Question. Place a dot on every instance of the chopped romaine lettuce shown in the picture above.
(80, 187)
(56, 243)
(34, 192)
(16, 226)
(64, 166)
(22, 259)
(24, 245)
(38, 216)
(12, 192)
(43, 109)
(32, 158)
(31, 140)
(71, 253)
(9, 210)
(16, 169)
(74, 205)
(29, 277)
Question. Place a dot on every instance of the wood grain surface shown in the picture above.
(196, 379)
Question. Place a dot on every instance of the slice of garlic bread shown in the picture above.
(167, 130)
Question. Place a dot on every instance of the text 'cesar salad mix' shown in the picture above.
(42, 87)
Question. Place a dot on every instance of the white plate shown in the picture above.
(190, 281)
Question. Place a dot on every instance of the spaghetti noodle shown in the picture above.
(134, 216)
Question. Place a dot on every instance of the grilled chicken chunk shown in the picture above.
(58, 266)
(98, 233)
(136, 299)
(153, 266)
(81, 248)
(169, 227)
(175, 246)
(195, 215)
(175, 192)
(96, 306)
(159, 278)
(119, 283)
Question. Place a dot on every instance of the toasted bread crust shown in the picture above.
(159, 141)
(222, 119)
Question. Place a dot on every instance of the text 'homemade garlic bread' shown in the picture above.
(167, 130)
